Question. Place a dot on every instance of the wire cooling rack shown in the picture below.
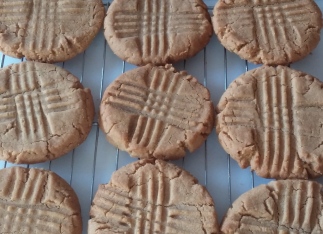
(93, 162)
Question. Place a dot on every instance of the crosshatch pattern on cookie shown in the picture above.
(156, 112)
(157, 31)
(159, 101)
(45, 112)
(269, 26)
(147, 209)
(156, 106)
(270, 19)
(290, 205)
(26, 102)
(38, 15)
(152, 204)
(43, 26)
(27, 206)
(151, 24)
(277, 119)
(274, 113)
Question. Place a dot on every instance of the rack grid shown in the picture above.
(93, 162)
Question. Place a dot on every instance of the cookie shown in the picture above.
(152, 196)
(45, 112)
(37, 201)
(270, 118)
(156, 112)
(46, 30)
(271, 32)
(157, 31)
(290, 206)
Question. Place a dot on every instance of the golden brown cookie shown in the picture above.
(157, 31)
(152, 196)
(45, 112)
(48, 30)
(290, 206)
(37, 201)
(268, 31)
(271, 119)
(156, 112)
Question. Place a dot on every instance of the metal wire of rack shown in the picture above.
(93, 162)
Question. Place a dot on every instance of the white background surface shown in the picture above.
(95, 160)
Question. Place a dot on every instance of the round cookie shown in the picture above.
(37, 201)
(156, 112)
(157, 31)
(48, 31)
(270, 32)
(152, 196)
(290, 206)
(271, 119)
(45, 112)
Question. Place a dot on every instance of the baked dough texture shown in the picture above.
(156, 112)
(157, 31)
(152, 196)
(272, 32)
(37, 201)
(271, 119)
(290, 206)
(45, 112)
(48, 30)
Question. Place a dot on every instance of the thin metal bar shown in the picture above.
(117, 159)
(205, 142)
(251, 172)
(228, 156)
(94, 161)
(97, 128)
(118, 152)
(2, 60)
(73, 153)
(72, 167)
(83, 65)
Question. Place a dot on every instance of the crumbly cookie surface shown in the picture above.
(156, 112)
(152, 196)
(270, 119)
(290, 206)
(45, 112)
(157, 31)
(37, 201)
(48, 30)
(271, 32)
